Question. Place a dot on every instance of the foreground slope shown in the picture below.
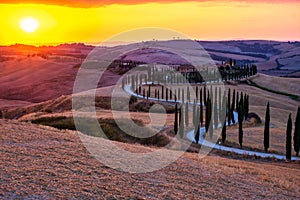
(42, 162)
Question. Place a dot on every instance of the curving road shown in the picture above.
(202, 141)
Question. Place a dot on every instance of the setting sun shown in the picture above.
(29, 24)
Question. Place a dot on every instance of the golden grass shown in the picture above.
(39, 162)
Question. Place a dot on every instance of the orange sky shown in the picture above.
(204, 20)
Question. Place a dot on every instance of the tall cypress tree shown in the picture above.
(207, 114)
(176, 120)
(240, 119)
(181, 122)
(288, 146)
(194, 113)
(187, 114)
(228, 109)
(204, 95)
(167, 94)
(297, 133)
(232, 112)
(188, 95)
(267, 128)
(197, 134)
(233, 100)
(201, 114)
(224, 132)
(201, 100)
(215, 108)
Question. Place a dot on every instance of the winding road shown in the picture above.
(203, 141)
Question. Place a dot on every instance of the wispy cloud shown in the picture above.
(97, 3)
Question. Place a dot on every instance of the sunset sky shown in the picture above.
(93, 21)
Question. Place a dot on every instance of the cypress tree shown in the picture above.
(216, 117)
(204, 95)
(123, 83)
(224, 132)
(201, 100)
(233, 100)
(223, 109)
(188, 94)
(201, 114)
(237, 101)
(228, 109)
(232, 112)
(181, 122)
(207, 114)
(240, 119)
(220, 100)
(297, 133)
(187, 114)
(176, 120)
(197, 134)
(267, 128)
(148, 92)
(194, 113)
(289, 138)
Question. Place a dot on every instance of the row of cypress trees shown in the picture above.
(296, 138)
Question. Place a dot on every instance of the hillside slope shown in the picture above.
(39, 162)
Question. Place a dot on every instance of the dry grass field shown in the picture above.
(40, 162)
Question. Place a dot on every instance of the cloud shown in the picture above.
(98, 3)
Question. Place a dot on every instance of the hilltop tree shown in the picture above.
(267, 128)
(240, 119)
(176, 120)
(289, 138)
(297, 133)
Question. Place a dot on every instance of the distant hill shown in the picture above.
(35, 74)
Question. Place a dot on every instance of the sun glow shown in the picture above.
(29, 24)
